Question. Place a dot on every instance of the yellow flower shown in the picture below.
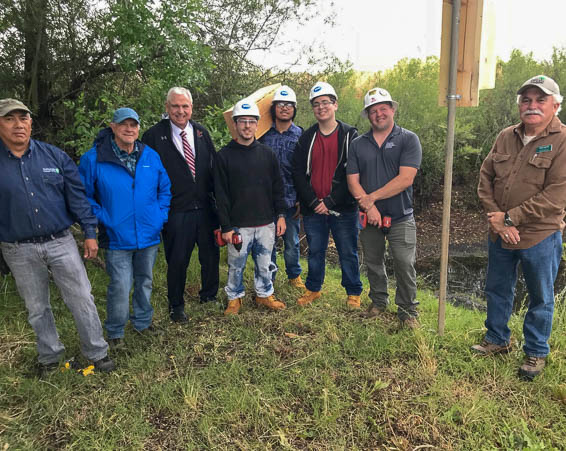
(88, 370)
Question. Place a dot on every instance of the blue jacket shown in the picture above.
(131, 210)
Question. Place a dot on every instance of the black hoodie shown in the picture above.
(248, 186)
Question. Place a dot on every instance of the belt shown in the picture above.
(44, 238)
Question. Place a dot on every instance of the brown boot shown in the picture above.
(297, 282)
(353, 302)
(487, 348)
(531, 367)
(270, 302)
(374, 311)
(410, 323)
(233, 307)
(308, 297)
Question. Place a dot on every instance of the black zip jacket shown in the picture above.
(248, 186)
(339, 198)
(188, 193)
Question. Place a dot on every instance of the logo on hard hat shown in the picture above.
(246, 106)
(383, 92)
(284, 93)
(373, 99)
(316, 89)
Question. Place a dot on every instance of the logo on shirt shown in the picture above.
(541, 149)
(389, 145)
(55, 170)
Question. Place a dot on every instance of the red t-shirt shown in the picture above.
(323, 162)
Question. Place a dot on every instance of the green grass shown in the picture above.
(318, 377)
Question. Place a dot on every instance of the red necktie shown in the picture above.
(188, 152)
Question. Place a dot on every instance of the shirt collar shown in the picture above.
(119, 151)
(177, 130)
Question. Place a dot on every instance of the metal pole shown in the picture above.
(452, 97)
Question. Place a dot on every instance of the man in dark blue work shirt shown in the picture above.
(382, 165)
(41, 196)
(282, 137)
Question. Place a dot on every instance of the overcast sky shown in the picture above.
(375, 34)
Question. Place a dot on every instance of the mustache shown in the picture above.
(537, 112)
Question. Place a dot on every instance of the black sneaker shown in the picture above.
(105, 365)
(178, 316)
(207, 299)
(150, 331)
(45, 369)
(116, 343)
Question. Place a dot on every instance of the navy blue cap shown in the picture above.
(121, 114)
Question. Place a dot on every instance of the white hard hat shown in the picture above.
(322, 88)
(284, 94)
(245, 107)
(377, 95)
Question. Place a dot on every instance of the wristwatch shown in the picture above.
(507, 221)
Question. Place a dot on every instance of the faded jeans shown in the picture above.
(30, 264)
(540, 266)
(124, 268)
(259, 241)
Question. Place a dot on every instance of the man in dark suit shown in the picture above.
(188, 155)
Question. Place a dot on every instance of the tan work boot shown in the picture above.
(270, 302)
(353, 302)
(532, 367)
(487, 348)
(233, 307)
(297, 282)
(308, 297)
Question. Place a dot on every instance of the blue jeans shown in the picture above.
(30, 264)
(124, 268)
(345, 233)
(259, 241)
(540, 266)
(291, 251)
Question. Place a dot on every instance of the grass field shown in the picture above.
(318, 378)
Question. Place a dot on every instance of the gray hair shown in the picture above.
(557, 100)
(179, 91)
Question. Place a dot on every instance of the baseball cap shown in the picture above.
(9, 105)
(544, 83)
(121, 114)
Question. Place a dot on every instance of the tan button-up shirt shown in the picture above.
(528, 182)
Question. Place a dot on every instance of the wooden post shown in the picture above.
(451, 98)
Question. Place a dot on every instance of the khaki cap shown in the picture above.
(544, 83)
(9, 105)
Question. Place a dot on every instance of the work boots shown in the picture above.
(233, 307)
(270, 302)
(297, 282)
(353, 302)
(308, 297)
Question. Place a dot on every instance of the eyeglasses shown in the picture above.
(322, 104)
(282, 105)
(246, 121)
